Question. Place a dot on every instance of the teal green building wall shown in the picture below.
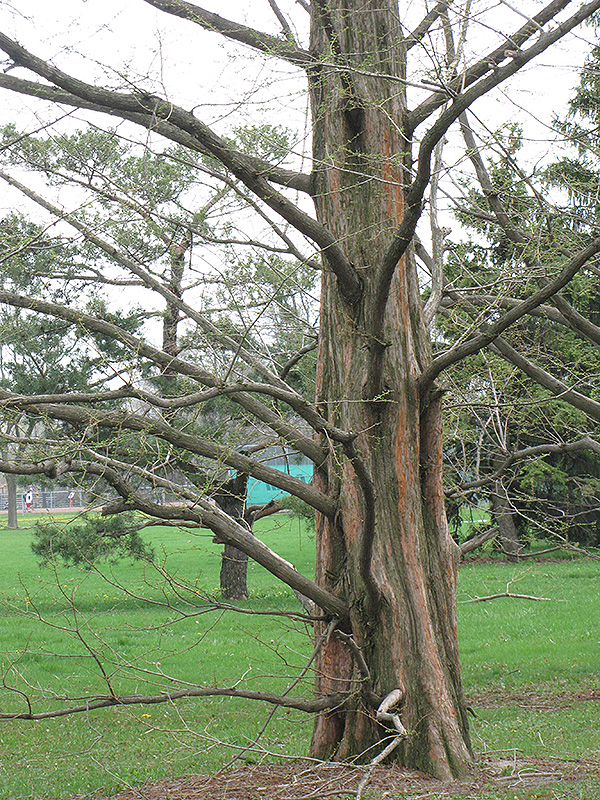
(260, 493)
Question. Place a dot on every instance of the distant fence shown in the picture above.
(48, 500)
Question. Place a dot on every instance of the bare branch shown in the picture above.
(264, 42)
(388, 714)
(506, 594)
(310, 706)
(568, 315)
(493, 301)
(262, 412)
(149, 280)
(165, 127)
(116, 420)
(515, 234)
(461, 102)
(548, 381)
(491, 61)
(227, 530)
(283, 22)
(367, 539)
(554, 385)
(425, 25)
(291, 363)
(478, 541)
(576, 321)
(437, 241)
(491, 332)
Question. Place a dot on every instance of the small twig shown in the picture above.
(323, 638)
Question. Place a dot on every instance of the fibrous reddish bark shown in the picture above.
(388, 551)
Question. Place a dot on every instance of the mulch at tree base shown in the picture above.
(310, 781)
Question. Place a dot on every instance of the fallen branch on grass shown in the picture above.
(507, 594)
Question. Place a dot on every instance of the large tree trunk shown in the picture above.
(388, 552)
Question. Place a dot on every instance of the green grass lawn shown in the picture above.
(70, 632)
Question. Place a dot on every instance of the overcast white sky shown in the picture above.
(114, 42)
(195, 66)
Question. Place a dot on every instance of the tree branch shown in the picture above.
(576, 321)
(264, 42)
(491, 332)
(228, 531)
(424, 26)
(477, 541)
(285, 26)
(494, 58)
(289, 433)
(301, 704)
(148, 119)
(245, 168)
(537, 374)
(506, 594)
(548, 381)
(116, 420)
(460, 103)
(586, 443)
(490, 300)
(368, 524)
(567, 314)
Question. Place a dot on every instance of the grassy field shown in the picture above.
(67, 631)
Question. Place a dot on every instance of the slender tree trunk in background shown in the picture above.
(233, 580)
(388, 552)
(503, 513)
(11, 489)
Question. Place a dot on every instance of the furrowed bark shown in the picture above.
(388, 551)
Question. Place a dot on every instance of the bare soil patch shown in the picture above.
(537, 701)
(309, 781)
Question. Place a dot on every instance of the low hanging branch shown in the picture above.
(310, 706)
(478, 541)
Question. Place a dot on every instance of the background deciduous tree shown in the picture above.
(384, 90)
(531, 456)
